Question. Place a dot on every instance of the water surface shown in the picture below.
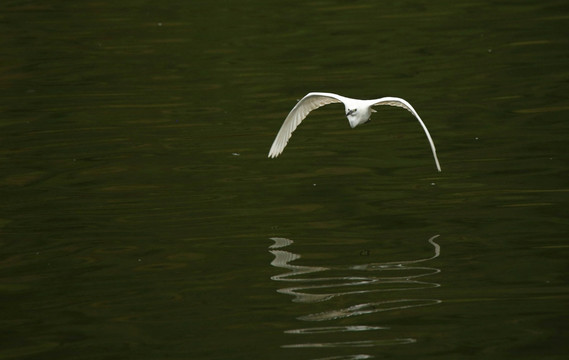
(139, 210)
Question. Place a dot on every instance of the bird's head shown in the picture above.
(352, 115)
(357, 116)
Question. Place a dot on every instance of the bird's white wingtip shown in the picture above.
(273, 154)
(437, 163)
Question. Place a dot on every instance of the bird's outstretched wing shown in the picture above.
(308, 103)
(393, 101)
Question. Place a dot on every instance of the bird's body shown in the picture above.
(357, 111)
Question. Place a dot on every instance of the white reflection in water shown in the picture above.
(327, 329)
(349, 357)
(405, 275)
(363, 343)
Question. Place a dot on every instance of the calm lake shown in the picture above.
(140, 217)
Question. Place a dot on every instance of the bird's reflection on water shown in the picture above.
(367, 278)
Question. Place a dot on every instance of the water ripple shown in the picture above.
(393, 276)
(362, 343)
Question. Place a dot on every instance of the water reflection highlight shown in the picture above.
(360, 279)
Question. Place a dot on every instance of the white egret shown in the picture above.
(357, 111)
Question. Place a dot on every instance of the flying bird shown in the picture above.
(358, 112)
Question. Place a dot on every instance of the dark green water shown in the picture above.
(141, 219)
